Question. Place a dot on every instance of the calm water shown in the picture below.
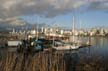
(99, 46)
(90, 58)
(94, 58)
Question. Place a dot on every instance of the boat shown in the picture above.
(74, 45)
(63, 46)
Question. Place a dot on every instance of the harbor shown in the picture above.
(92, 58)
(51, 51)
(35, 50)
(53, 35)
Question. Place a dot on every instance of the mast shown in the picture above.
(73, 29)
(37, 27)
(80, 24)
(79, 37)
(25, 31)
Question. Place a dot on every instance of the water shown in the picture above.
(93, 58)
(99, 47)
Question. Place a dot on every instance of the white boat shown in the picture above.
(64, 46)
(75, 46)
(68, 46)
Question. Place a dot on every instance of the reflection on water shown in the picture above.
(93, 58)
(99, 45)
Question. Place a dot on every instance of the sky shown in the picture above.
(87, 20)
(91, 13)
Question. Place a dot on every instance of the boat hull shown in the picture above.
(66, 47)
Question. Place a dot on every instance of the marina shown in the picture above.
(53, 35)
(92, 58)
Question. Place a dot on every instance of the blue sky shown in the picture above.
(89, 19)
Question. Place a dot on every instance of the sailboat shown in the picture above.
(66, 46)
(74, 45)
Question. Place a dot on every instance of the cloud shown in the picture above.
(47, 8)
(98, 5)
(95, 5)
(12, 22)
